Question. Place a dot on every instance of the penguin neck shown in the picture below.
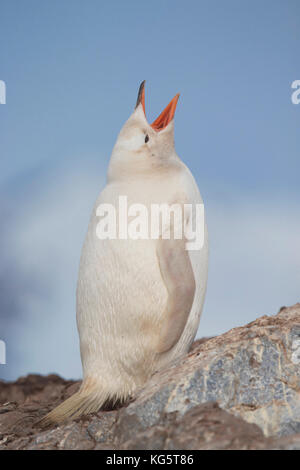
(126, 169)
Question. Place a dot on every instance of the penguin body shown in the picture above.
(139, 301)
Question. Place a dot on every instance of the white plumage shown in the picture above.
(138, 301)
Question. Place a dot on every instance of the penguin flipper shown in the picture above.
(178, 276)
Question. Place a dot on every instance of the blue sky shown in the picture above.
(72, 71)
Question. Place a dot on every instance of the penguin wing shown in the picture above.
(178, 277)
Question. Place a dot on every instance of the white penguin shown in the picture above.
(139, 301)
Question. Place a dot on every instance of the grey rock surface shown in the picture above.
(252, 371)
(240, 390)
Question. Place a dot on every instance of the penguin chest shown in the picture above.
(121, 295)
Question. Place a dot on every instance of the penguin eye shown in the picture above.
(146, 138)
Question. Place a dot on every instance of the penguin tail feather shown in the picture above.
(81, 403)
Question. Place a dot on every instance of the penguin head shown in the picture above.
(142, 147)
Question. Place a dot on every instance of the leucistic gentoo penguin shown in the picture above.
(139, 299)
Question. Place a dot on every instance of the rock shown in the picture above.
(36, 388)
(286, 443)
(252, 371)
(240, 390)
(101, 427)
(202, 427)
(69, 437)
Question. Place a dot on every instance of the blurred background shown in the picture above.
(72, 70)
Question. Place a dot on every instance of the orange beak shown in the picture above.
(165, 117)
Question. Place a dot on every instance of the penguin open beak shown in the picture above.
(165, 117)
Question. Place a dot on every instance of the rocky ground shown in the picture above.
(240, 390)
